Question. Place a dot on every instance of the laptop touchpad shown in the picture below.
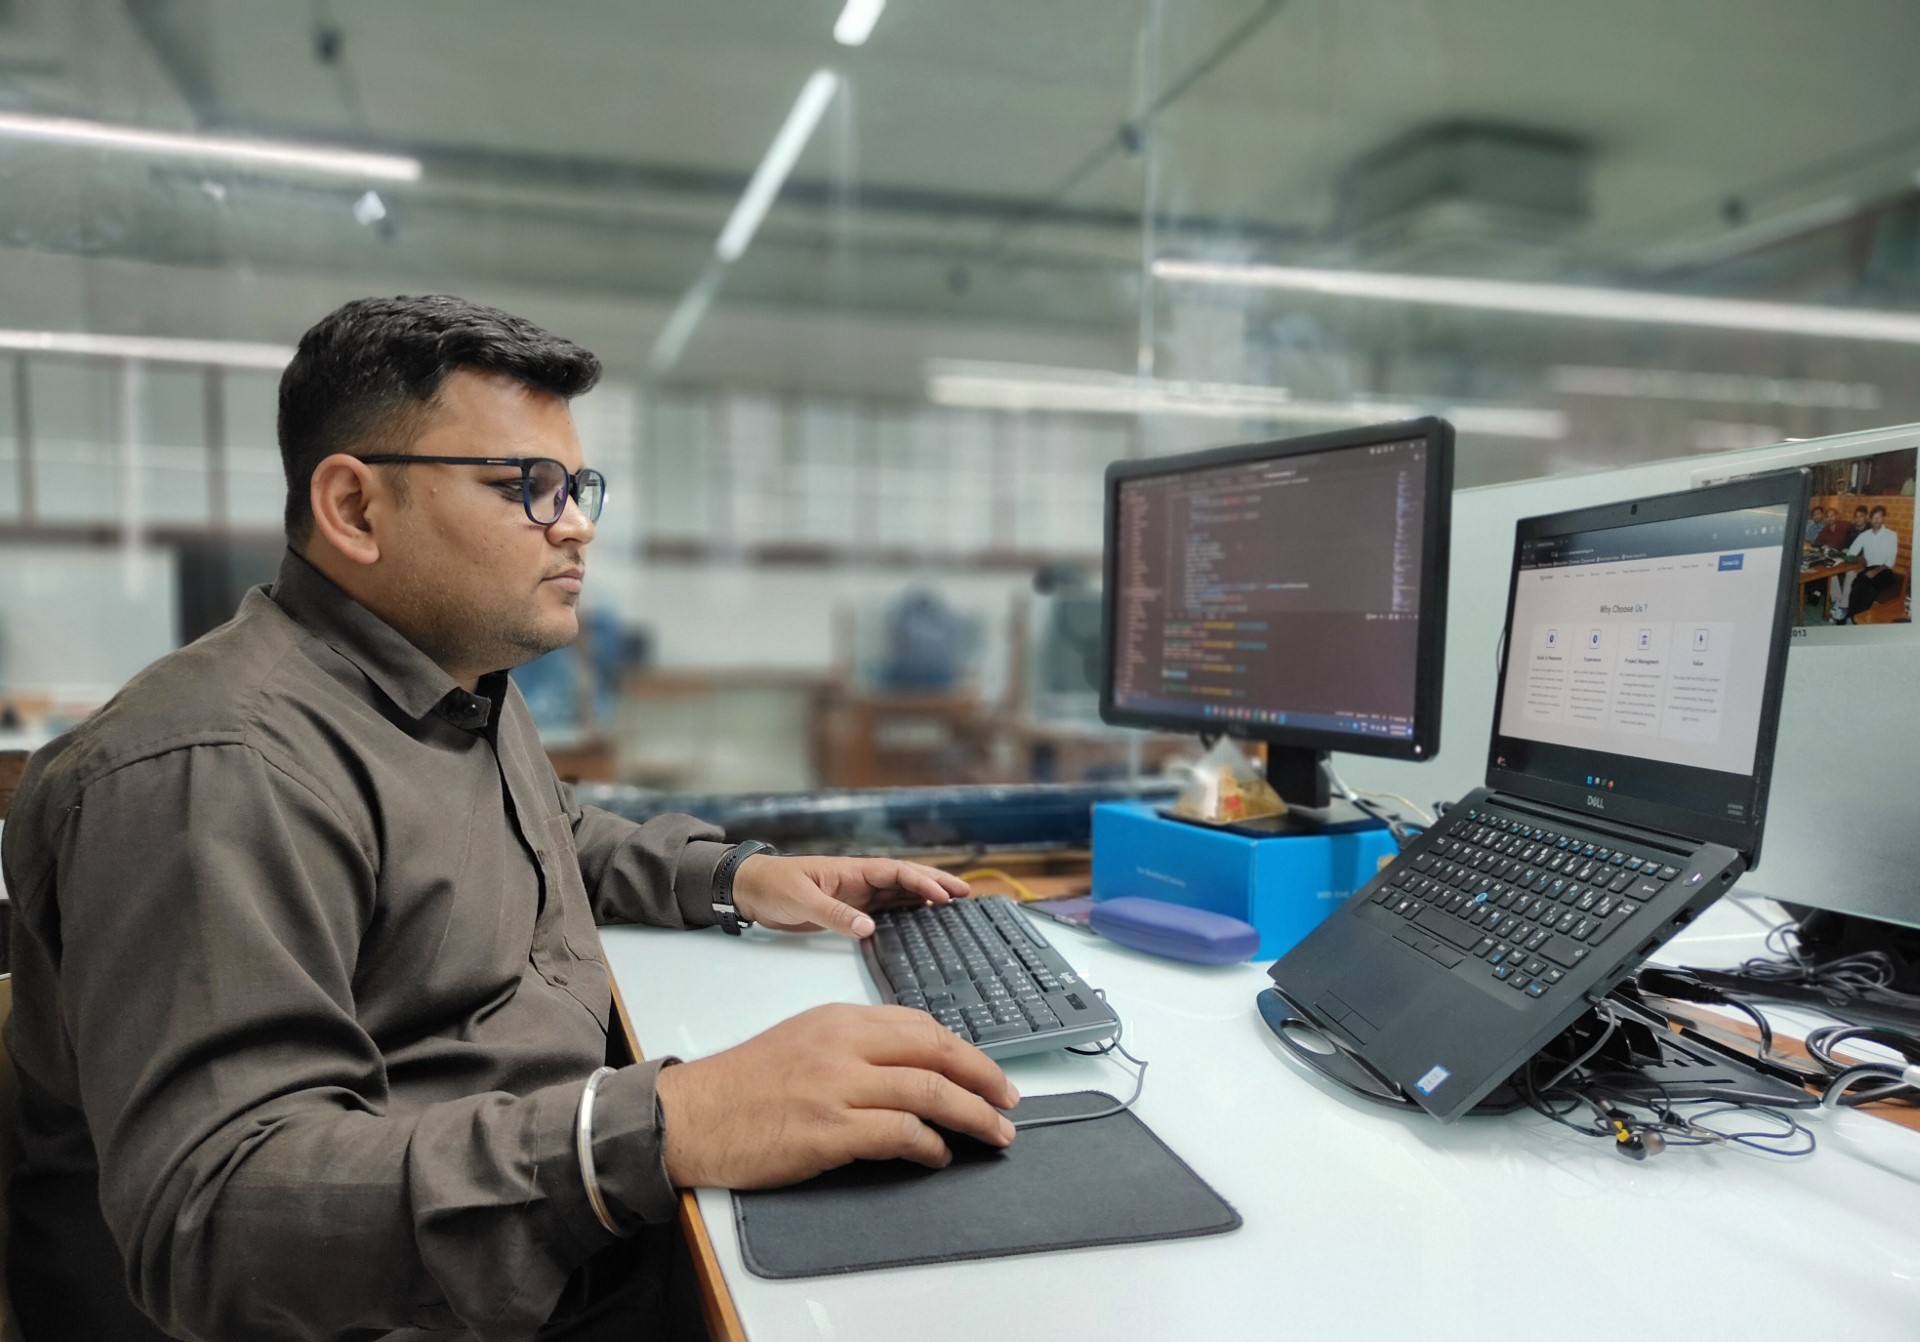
(1389, 981)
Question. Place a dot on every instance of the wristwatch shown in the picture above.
(723, 906)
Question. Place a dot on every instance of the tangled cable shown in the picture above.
(1854, 1083)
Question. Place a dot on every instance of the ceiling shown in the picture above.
(1001, 166)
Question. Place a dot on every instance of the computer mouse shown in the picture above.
(967, 1149)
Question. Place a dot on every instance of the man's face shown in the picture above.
(467, 576)
(1877, 519)
(1859, 517)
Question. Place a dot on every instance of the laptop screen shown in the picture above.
(1637, 660)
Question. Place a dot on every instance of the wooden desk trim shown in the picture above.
(716, 1302)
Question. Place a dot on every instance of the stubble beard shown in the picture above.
(456, 631)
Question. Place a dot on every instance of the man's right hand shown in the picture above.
(830, 1086)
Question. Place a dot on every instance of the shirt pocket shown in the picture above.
(581, 966)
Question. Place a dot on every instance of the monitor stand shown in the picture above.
(1300, 777)
(1824, 938)
(1828, 936)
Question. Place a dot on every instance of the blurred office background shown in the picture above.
(883, 287)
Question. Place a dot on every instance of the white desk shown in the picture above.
(1360, 1222)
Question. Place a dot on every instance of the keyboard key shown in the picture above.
(1563, 951)
(1536, 989)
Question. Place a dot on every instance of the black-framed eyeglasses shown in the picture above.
(545, 484)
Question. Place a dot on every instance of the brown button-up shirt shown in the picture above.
(307, 984)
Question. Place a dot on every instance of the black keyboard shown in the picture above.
(983, 971)
(1527, 902)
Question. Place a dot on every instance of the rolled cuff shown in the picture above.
(629, 1147)
(693, 880)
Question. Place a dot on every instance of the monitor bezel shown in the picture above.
(1773, 489)
(1435, 547)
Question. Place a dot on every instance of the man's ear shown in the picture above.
(344, 495)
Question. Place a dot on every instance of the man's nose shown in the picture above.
(572, 525)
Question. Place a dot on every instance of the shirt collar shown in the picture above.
(413, 681)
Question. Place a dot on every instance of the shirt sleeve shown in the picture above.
(253, 1172)
(1859, 544)
(658, 872)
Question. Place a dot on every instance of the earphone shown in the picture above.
(1630, 1140)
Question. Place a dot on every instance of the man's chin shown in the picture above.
(549, 636)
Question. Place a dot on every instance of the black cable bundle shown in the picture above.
(1638, 1114)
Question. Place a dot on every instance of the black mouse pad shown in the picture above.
(1071, 1186)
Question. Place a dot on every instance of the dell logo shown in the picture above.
(1598, 803)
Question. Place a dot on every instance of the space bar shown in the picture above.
(1458, 934)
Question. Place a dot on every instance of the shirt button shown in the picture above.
(559, 980)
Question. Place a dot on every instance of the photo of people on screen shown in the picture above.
(1857, 551)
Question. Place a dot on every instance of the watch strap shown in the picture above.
(723, 874)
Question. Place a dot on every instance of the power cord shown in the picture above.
(1878, 1080)
(1844, 978)
(1402, 834)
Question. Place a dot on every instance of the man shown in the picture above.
(1836, 533)
(1840, 587)
(1878, 547)
(309, 1003)
(1816, 521)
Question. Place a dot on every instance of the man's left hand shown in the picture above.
(806, 894)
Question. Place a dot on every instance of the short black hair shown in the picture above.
(1879, 509)
(365, 375)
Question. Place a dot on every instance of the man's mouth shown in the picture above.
(569, 579)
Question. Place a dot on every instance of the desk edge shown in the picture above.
(716, 1302)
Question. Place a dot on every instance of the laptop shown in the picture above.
(1639, 689)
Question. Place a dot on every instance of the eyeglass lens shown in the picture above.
(547, 491)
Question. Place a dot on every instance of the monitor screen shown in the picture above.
(1637, 658)
(1285, 591)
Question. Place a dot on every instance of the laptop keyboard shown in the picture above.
(1528, 903)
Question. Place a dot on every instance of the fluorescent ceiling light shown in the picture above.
(856, 21)
(1557, 300)
(781, 155)
(671, 343)
(1662, 384)
(1026, 387)
(150, 349)
(174, 144)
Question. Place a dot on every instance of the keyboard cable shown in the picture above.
(1107, 1049)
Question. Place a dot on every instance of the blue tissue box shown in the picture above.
(1282, 885)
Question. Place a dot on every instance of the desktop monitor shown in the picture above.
(1290, 592)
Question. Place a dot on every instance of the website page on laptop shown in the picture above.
(1647, 641)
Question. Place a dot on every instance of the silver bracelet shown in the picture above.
(583, 1147)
